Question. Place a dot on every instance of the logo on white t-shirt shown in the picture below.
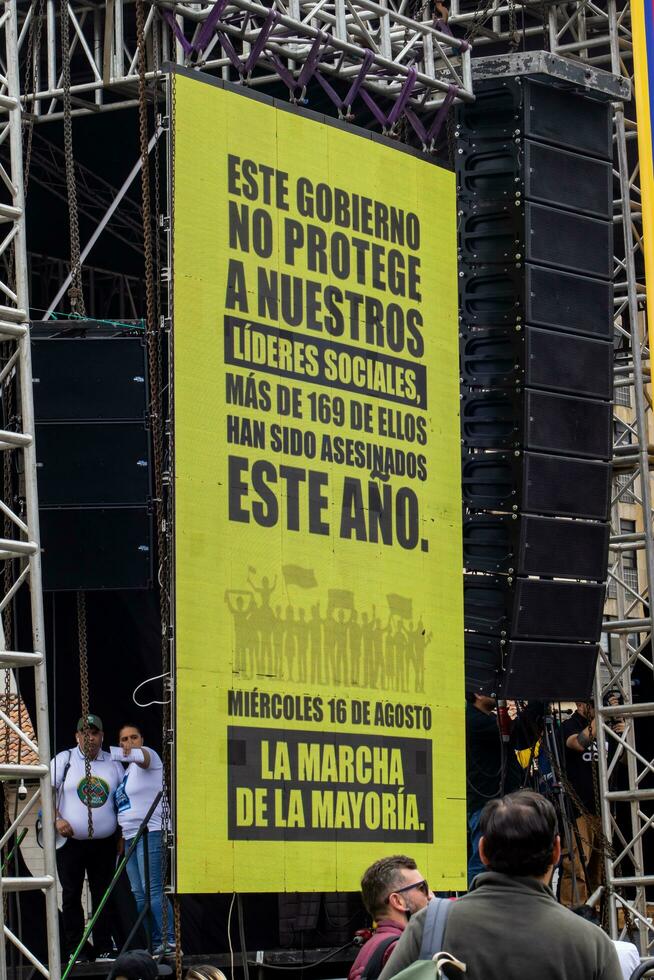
(98, 795)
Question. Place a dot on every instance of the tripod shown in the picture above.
(563, 806)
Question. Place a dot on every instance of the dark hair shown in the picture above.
(588, 913)
(519, 833)
(380, 879)
(130, 724)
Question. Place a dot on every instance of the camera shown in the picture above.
(22, 790)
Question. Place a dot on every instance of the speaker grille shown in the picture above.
(570, 426)
(537, 483)
(566, 487)
(549, 671)
(120, 557)
(105, 463)
(560, 610)
(562, 548)
(506, 357)
(88, 378)
(569, 364)
(568, 119)
(566, 302)
(550, 547)
(561, 179)
(568, 241)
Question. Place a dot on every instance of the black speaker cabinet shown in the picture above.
(523, 669)
(536, 295)
(93, 457)
(510, 357)
(532, 109)
(530, 545)
(96, 548)
(535, 232)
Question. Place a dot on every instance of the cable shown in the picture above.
(241, 937)
(305, 966)
(148, 704)
(229, 935)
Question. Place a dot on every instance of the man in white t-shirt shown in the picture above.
(83, 853)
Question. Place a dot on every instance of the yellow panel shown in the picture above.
(319, 621)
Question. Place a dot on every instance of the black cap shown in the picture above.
(139, 965)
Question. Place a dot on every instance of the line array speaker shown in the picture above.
(534, 177)
(93, 458)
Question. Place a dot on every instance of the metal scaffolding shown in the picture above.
(376, 48)
(19, 548)
(388, 56)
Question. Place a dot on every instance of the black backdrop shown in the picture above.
(123, 651)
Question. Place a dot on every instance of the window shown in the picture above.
(622, 396)
(625, 488)
(622, 434)
(628, 557)
(629, 565)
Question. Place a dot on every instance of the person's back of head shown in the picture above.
(205, 972)
(519, 835)
(381, 879)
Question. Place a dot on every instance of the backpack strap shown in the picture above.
(66, 768)
(434, 929)
(376, 962)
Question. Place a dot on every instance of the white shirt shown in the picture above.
(71, 792)
(136, 794)
(628, 956)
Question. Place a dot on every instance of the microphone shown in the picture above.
(503, 721)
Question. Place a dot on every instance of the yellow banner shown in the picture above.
(318, 571)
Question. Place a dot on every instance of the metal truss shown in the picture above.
(94, 195)
(384, 58)
(599, 34)
(373, 52)
(19, 549)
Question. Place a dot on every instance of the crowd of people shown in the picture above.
(101, 799)
(509, 923)
(517, 839)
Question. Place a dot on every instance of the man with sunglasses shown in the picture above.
(392, 890)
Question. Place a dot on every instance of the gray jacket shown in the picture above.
(514, 928)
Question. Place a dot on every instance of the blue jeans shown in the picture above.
(475, 867)
(136, 874)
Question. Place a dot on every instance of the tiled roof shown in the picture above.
(12, 748)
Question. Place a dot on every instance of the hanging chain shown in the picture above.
(514, 36)
(152, 252)
(479, 20)
(178, 938)
(84, 689)
(32, 82)
(75, 293)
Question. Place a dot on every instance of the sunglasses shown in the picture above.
(422, 885)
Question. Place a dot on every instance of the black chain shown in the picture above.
(75, 293)
(32, 81)
(152, 251)
(84, 690)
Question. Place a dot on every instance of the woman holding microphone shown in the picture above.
(134, 797)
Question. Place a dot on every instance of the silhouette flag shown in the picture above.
(304, 578)
(341, 598)
(399, 605)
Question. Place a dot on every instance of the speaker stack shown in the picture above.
(93, 458)
(534, 178)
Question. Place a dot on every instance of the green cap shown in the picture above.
(92, 721)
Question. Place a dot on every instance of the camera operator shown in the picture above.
(582, 870)
(491, 764)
